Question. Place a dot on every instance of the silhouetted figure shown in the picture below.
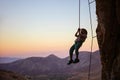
(81, 35)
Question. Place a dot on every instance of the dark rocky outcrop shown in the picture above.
(108, 35)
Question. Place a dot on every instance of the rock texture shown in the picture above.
(108, 35)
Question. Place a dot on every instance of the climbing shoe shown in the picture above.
(70, 61)
(76, 61)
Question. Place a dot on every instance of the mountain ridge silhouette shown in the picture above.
(50, 64)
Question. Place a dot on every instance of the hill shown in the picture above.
(7, 59)
(52, 65)
(8, 75)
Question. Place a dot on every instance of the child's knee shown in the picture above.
(76, 51)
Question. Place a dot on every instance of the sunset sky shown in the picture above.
(43, 27)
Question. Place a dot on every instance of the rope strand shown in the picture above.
(79, 13)
(91, 39)
(91, 34)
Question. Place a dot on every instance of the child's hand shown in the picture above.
(78, 29)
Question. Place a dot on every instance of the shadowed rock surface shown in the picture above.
(108, 35)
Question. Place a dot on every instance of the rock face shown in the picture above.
(108, 35)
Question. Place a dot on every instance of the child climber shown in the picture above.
(81, 35)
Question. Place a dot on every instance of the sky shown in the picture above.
(43, 27)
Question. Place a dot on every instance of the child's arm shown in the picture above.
(77, 33)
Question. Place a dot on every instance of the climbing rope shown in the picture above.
(79, 13)
(91, 34)
(91, 37)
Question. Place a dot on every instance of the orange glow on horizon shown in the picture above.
(20, 48)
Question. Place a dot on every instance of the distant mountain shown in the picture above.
(8, 75)
(7, 59)
(52, 65)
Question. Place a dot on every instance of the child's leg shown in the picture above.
(77, 46)
(77, 53)
(71, 51)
